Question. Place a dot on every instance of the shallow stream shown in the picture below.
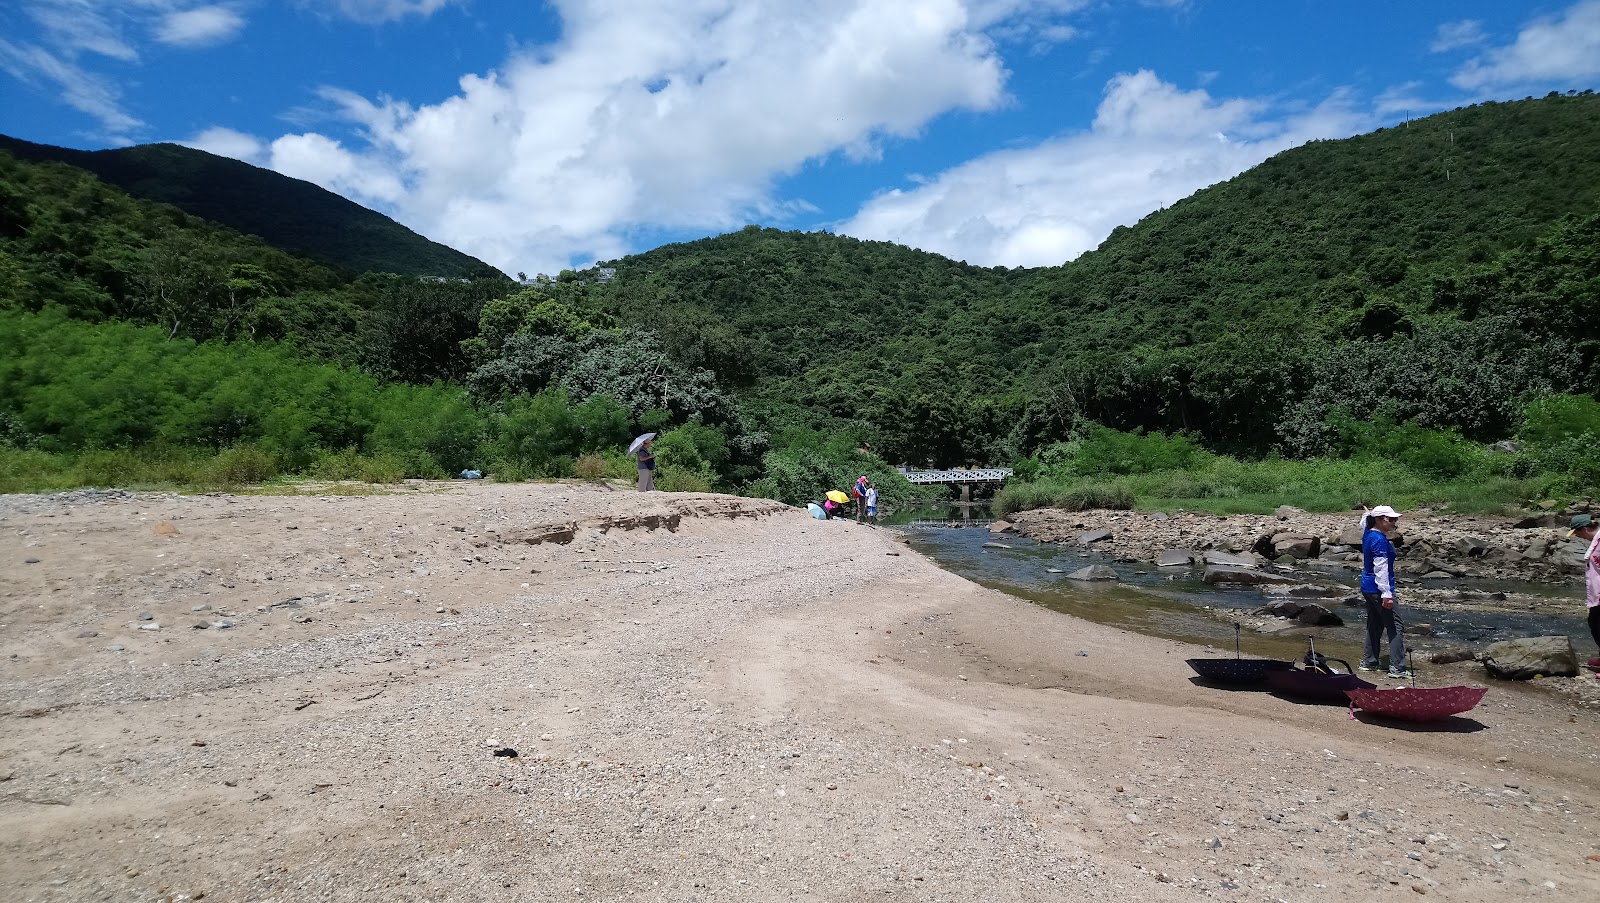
(1173, 602)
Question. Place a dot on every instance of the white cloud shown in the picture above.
(1557, 48)
(656, 114)
(70, 33)
(201, 26)
(80, 26)
(375, 12)
(326, 162)
(85, 92)
(228, 142)
(1455, 35)
(1150, 145)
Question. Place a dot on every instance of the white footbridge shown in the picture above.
(976, 475)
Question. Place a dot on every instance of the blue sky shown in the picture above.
(543, 135)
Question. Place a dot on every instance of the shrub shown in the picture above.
(1014, 497)
(240, 465)
(674, 478)
(591, 467)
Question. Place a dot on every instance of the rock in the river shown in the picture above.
(1551, 656)
(1175, 558)
(1002, 526)
(1217, 573)
(1093, 536)
(1309, 591)
(995, 545)
(1297, 546)
(1305, 612)
(1224, 559)
(1093, 572)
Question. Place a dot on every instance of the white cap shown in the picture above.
(1384, 511)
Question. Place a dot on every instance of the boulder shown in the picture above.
(1550, 656)
(1434, 564)
(1501, 555)
(1309, 591)
(1225, 559)
(1092, 536)
(1538, 522)
(1283, 609)
(1437, 575)
(1451, 656)
(1350, 536)
(1002, 526)
(1420, 548)
(1506, 446)
(1093, 572)
(1223, 573)
(1471, 547)
(1284, 511)
(1308, 613)
(1568, 555)
(1173, 558)
(1297, 546)
(1315, 615)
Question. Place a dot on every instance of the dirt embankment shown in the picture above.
(254, 698)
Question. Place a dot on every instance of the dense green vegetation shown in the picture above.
(286, 213)
(1218, 316)
(1351, 320)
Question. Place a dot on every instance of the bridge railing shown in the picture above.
(980, 475)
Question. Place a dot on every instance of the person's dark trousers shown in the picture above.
(1382, 621)
(1594, 623)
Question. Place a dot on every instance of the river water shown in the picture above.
(1173, 602)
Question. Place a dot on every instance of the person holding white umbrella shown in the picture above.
(647, 461)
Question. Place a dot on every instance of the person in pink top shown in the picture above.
(1586, 528)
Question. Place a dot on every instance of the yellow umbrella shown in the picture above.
(835, 495)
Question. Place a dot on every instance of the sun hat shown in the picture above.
(1580, 521)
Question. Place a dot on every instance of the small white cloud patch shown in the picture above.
(200, 26)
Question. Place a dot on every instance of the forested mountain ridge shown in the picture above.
(287, 213)
(1216, 315)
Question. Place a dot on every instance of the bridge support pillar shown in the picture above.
(966, 493)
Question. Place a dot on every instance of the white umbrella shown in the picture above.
(635, 445)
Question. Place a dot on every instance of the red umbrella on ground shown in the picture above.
(1416, 703)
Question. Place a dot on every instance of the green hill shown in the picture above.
(1218, 315)
(286, 213)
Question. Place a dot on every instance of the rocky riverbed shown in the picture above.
(708, 698)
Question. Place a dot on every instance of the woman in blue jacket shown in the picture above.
(1377, 588)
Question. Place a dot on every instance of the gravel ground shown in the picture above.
(711, 698)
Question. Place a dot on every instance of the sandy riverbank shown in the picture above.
(712, 698)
